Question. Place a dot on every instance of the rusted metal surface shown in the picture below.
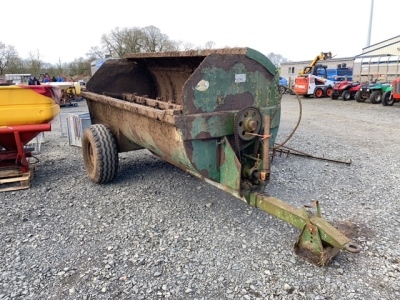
(151, 102)
(310, 247)
(287, 150)
(189, 53)
(190, 96)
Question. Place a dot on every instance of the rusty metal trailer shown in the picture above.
(213, 113)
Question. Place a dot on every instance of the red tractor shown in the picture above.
(393, 95)
(345, 89)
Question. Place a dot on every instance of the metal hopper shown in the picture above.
(212, 113)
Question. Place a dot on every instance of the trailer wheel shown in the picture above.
(346, 95)
(100, 153)
(375, 97)
(387, 99)
(358, 97)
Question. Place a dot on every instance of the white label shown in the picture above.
(240, 78)
(202, 85)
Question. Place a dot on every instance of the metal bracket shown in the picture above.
(310, 247)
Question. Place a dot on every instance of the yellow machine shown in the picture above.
(25, 112)
(321, 56)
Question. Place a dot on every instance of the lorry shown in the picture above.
(313, 79)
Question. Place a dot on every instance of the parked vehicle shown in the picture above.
(372, 91)
(340, 73)
(283, 85)
(313, 85)
(17, 78)
(312, 81)
(345, 89)
(386, 67)
(392, 95)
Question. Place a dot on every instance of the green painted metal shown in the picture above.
(299, 218)
(205, 159)
(230, 167)
(262, 59)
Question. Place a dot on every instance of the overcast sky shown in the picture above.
(298, 30)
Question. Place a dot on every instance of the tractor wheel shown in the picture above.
(346, 95)
(100, 153)
(328, 91)
(375, 97)
(387, 99)
(358, 97)
(318, 93)
(334, 96)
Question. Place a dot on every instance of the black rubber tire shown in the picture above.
(100, 153)
(387, 100)
(282, 89)
(375, 97)
(334, 96)
(358, 97)
(346, 95)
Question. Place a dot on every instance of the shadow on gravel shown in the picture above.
(355, 231)
(136, 167)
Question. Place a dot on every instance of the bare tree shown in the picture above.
(16, 66)
(120, 42)
(34, 62)
(133, 40)
(96, 53)
(155, 41)
(186, 46)
(209, 45)
(7, 55)
(114, 42)
(59, 67)
(277, 59)
(79, 67)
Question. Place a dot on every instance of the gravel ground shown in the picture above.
(156, 232)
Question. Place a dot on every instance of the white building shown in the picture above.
(390, 47)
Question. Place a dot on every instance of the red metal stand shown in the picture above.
(12, 142)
